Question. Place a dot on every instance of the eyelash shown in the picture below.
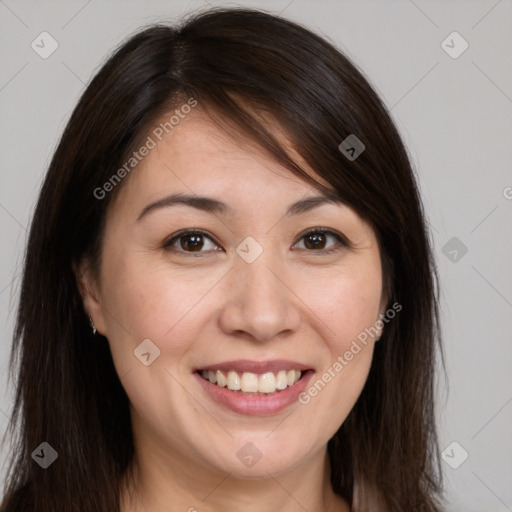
(342, 242)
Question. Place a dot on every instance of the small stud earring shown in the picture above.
(94, 331)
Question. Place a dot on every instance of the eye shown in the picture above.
(189, 241)
(194, 241)
(315, 241)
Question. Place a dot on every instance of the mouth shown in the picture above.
(254, 388)
(249, 383)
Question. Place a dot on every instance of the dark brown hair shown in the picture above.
(232, 61)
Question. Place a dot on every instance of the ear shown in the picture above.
(89, 291)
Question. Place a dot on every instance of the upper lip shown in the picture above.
(246, 365)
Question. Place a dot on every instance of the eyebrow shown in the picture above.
(214, 206)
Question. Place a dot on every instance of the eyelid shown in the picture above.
(341, 239)
(190, 231)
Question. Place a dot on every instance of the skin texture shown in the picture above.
(293, 302)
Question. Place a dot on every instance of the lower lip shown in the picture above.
(256, 405)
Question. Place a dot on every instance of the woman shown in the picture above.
(229, 297)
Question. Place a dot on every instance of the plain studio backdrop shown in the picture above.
(441, 67)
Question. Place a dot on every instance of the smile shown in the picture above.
(248, 382)
(254, 388)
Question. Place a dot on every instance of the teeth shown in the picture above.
(233, 381)
(267, 383)
(249, 382)
(281, 381)
(221, 379)
(290, 377)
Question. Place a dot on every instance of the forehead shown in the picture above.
(196, 156)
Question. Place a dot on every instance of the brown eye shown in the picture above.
(189, 241)
(317, 239)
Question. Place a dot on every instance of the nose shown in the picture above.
(260, 303)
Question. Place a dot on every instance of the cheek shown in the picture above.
(151, 302)
(348, 305)
(347, 309)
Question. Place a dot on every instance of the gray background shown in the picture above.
(455, 117)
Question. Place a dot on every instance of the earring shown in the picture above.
(94, 331)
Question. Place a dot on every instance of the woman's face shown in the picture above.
(253, 296)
